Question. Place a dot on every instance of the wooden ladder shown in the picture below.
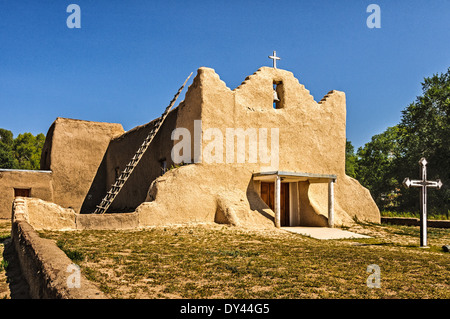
(121, 180)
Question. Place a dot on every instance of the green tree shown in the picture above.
(426, 133)
(27, 150)
(6, 145)
(376, 168)
(22, 152)
(350, 160)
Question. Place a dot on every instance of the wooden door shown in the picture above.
(284, 204)
(268, 196)
(22, 192)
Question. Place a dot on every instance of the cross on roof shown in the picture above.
(274, 58)
(423, 184)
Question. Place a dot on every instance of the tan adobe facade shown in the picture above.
(219, 181)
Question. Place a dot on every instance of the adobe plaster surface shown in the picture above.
(85, 156)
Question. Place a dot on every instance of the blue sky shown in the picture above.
(129, 58)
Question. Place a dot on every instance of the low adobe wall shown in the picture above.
(415, 222)
(45, 267)
(228, 207)
(43, 215)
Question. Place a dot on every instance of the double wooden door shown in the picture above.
(268, 196)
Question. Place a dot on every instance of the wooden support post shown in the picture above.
(331, 203)
(277, 201)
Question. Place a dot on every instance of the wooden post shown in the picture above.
(331, 203)
(277, 202)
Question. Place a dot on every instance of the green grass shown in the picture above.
(205, 261)
(5, 230)
(74, 255)
(433, 216)
(3, 265)
(5, 233)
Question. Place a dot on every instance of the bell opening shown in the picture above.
(277, 94)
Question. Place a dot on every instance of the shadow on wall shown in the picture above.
(256, 203)
(309, 215)
(18, 286)
(98, 188)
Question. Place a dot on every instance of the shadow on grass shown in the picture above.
(18, 286)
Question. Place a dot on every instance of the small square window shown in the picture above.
(22, 192)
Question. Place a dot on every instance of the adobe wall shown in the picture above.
(76, 149)
(122, 148)
(44, 215)
(312, 134)
(40, 183)
(44, 266)
(411, 221)
(311, 139)
(205, 193)
(118, 155)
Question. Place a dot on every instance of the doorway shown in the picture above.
(268, 196)
(22, 192)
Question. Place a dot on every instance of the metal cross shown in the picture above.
(423, 197)
(274, 58)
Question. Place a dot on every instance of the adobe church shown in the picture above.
(305, 186)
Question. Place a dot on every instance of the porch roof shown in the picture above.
(294, 177)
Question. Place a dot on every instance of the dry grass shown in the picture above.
(214, 261)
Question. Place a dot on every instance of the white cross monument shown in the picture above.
(423, 197)
(274, 58)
